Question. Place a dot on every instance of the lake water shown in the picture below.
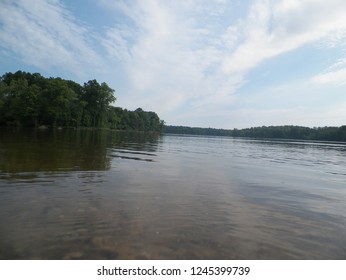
(84, 194)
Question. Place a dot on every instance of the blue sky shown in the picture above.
(221, 63)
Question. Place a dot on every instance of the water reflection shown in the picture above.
(30, 150)
(141, 196)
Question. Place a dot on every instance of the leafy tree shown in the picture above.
(98, 99)
(274, 132)
(15, 101)
(3, 91)
(57, 100)
(32, 100)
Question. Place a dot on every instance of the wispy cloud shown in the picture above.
(169, 54)
(179, 53)
(189, 58)
(44, 34)
(335, 74)
(276, 27)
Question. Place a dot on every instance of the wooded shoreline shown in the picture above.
(32, 100)
(267, 132)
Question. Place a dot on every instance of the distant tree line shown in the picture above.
(28, 99)
(276, 132)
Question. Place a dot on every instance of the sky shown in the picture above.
(205, 63)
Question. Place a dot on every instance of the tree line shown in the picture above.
(275, 132)
(29, 99)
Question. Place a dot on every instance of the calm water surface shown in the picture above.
(69, 194)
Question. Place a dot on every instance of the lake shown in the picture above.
(93, 194)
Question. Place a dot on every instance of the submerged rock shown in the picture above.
(104, 242)
(73, 255)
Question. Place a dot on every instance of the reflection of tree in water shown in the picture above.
(31, 150)
(61, 195)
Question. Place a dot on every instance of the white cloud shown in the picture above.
(333, 75)
(44, 34)
(116, 43)
(180, 50)
(337, 77)
(276, 27)
(171, 52)
(176, 55)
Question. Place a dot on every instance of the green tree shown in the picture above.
(98, 98)
(15, 101)
(31, 99)
(57, 100)
(3, 92)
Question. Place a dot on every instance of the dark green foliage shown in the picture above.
(196, 130)
(97, 98)
(123, 119)
(276, 132)
(31, 100)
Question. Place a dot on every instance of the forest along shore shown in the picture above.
(271, 132)
(32, 100)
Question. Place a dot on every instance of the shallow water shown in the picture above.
(84, 194)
